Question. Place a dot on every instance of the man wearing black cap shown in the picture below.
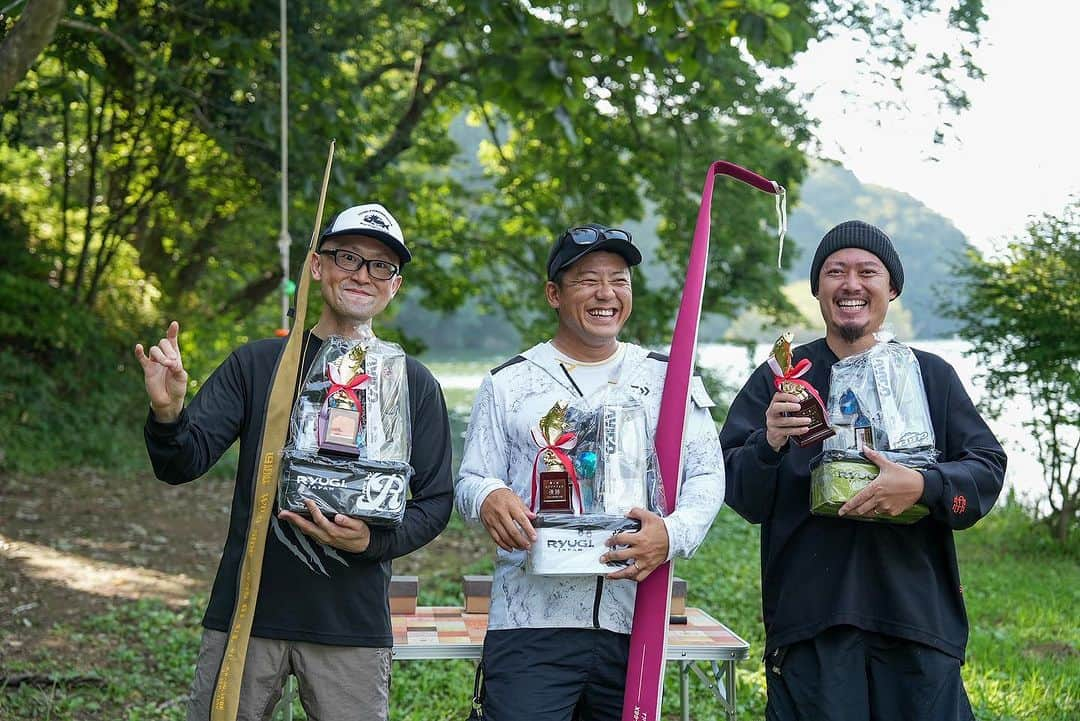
(862, 620)
(557, 646)
(322, 612)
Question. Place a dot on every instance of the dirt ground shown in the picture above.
(74, 545)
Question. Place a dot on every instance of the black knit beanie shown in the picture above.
(857, 234)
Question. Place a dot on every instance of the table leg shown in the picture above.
(729, 685)
(684, 690)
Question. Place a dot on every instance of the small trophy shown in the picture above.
(556, 488)
(788, 380)
(341, 421)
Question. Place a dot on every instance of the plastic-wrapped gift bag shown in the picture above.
(602, 446)
(876, 400)
(350, 433)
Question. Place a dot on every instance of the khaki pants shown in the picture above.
(337, 683)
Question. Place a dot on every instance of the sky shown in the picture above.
(1016, 150)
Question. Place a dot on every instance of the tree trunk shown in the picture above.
(31, 33)
(1063, 521)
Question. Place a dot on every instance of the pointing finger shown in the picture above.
(173, 334)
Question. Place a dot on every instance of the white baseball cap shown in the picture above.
(371, 220)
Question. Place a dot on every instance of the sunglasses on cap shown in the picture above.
(587, 236)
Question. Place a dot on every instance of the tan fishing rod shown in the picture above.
(278, 409)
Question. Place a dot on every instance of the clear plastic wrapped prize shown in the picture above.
(595, 461)
(350, 439)
(877, 401)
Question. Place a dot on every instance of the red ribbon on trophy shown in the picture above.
(563, 443)
(348, 388)
(792, 375)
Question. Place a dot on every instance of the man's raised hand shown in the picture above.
(164, 375)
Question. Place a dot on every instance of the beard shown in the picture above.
(852, 333)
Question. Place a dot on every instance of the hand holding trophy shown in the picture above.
(788, 381)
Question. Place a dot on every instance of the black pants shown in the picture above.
(847, 674)
(554, 674)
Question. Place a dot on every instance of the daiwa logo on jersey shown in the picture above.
(572, 544)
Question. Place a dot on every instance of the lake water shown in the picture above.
(735, 363)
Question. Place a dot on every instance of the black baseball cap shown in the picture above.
(578, 241)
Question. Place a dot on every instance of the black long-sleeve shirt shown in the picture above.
(818, 572)
(309, 592)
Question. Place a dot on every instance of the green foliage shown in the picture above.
(1021, 319)
(67, 394)
(151, 135)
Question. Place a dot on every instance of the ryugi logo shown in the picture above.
(317, 481)
(560, 544)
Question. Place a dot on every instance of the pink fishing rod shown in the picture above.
(648, 640)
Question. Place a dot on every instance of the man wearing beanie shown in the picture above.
(862, 620)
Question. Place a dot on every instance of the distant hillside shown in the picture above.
(928, 243)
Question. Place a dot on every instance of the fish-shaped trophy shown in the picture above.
(554, 438)
(789, 380)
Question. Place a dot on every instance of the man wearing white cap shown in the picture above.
(322, 612)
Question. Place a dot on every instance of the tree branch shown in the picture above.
(31, 34)
(248, 297)
(104, 32)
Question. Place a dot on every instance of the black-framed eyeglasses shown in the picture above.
(587, 236)
(352, 262)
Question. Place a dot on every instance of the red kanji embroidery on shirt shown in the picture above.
(959, 505)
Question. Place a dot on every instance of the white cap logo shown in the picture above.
(372, 220)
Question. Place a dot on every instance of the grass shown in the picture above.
(1022, 591)
(135, 663)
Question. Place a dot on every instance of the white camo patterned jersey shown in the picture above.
(499, 453)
